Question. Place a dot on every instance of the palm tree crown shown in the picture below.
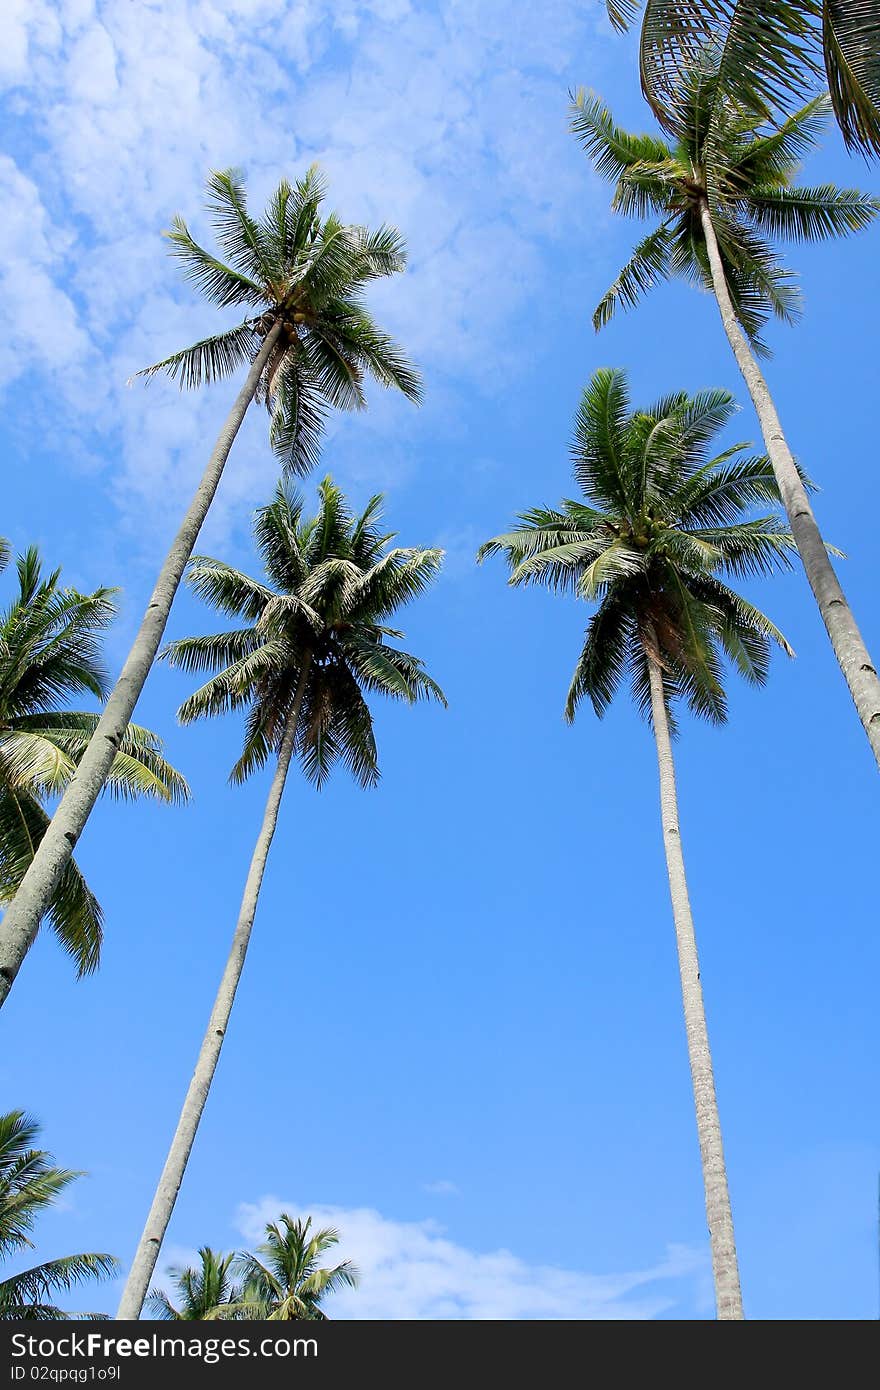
(203, 1294)
(29, 1183)
(284, 1279)
(728, 160)
(662, 519)
(50, 650)
(332, 584)
(770, 54)
(304, 273)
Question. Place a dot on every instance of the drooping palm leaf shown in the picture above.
(771, 54)
(30, 1182)
(50, 650)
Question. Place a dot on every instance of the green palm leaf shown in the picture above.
(303, 274)
(210, 359)
(851, 49)
(50, 649)
(812, 214)
(338, 580)
(649, 263)
(771, 54)
(217, 282)
(729, 161)
(29, 1184)
(671, 521)
(283, 1280)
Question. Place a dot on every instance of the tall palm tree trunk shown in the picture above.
(24, 914)
(728, 1296)
(147, 1253)
(853, 657)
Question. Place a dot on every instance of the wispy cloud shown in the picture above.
(412, 1270)
(442, 1187)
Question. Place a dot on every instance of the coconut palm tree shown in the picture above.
(29, 1183)
(284, 1280)
(50, 650)
(661, 522)
(307, 343)
(204, 1294)
(720, 203)
(770, 54)
(315, 642)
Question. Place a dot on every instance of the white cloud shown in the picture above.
(442, 1187)
(41, 320)
(448, 121)
(411, 1270)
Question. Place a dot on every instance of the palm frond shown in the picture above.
(371, 350)
(671, 522)
(382, 252)
(764, 54)
(650, 262)
(227, 589)
(238, 233)
(612, 149)
(48, 747)
(35, 1286)
(812, 214)
(210, 359)
(603, 658)
(74, 914)
(599, 461)
(851, 49)
(219, 283)
(298, 416)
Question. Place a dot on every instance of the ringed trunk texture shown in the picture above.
(138, 1282)
(728, 1296)
(852, 655)
(22, 918)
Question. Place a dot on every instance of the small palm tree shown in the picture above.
(29, 1183)
(307, 343)
(661, 521)
(770, 53)
(316, 639)
(204, 1294)
(722, 193)
(50, 650)
(284, 1280)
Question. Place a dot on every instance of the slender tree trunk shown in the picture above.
(24, 914)
(728, 1297)
(855, 662)
(138, 1282)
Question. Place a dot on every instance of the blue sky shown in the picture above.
(459, 1030)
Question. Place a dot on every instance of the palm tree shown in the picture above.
(718, 202)
(316, 639)
(308, 343)
(770, 53)
(661, 521)
(286, 1282)
(29, 1183)
(204, 1293)
(50, 650)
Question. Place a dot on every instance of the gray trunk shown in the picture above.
(24, 914)
(852, 655)
(728, 1297)
(138, 1282)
